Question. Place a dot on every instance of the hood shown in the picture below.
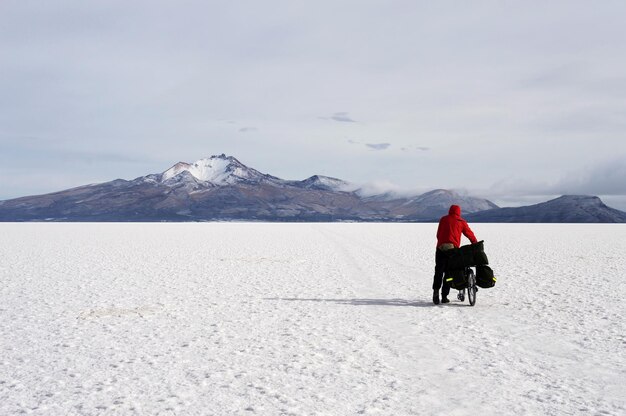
(455, 210)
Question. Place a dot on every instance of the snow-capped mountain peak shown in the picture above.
(175, 170)
(217, 170)
(327, 183)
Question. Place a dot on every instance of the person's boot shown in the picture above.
(444, 299)
(436, 297)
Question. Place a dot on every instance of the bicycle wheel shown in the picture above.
(471, 287)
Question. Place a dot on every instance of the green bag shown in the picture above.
(485, 277)
(456, 278)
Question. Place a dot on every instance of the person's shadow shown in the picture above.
(363, 302)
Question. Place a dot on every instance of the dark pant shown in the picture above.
(440, 267)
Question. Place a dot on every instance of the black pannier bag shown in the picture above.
(456, 278)
(466, 256)
(478, 249)
(457, 259)
(485, 277)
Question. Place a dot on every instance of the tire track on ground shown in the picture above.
(395, 328)
(373, 328)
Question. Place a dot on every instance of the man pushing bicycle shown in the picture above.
(449, 232)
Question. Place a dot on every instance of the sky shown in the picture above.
(515, 101)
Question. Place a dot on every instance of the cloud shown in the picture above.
(606, 178)
(386, 187)
(418, 148)
(341, 116)
(379, 187)
(248, 129)
(378, 146)
(373, 146)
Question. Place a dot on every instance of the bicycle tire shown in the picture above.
(471, 288)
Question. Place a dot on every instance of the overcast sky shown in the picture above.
(516, 101)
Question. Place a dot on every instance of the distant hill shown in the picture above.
(565, 209)
(429, 206)
(220, 188)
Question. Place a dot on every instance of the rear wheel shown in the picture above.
(471, 287)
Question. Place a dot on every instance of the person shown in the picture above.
(449, 232)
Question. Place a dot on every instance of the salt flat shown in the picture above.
(305, 319)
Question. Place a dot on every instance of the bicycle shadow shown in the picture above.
(363, 301)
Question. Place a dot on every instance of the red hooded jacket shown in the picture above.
(452, 226)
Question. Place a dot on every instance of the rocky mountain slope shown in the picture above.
(565, 209)
(222, 188)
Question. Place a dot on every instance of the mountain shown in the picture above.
(222, 188)
(324, 183)
(432, 205)
(219, 170)
(565, 209)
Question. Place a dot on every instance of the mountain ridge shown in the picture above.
(564, 209)
(221, 188)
